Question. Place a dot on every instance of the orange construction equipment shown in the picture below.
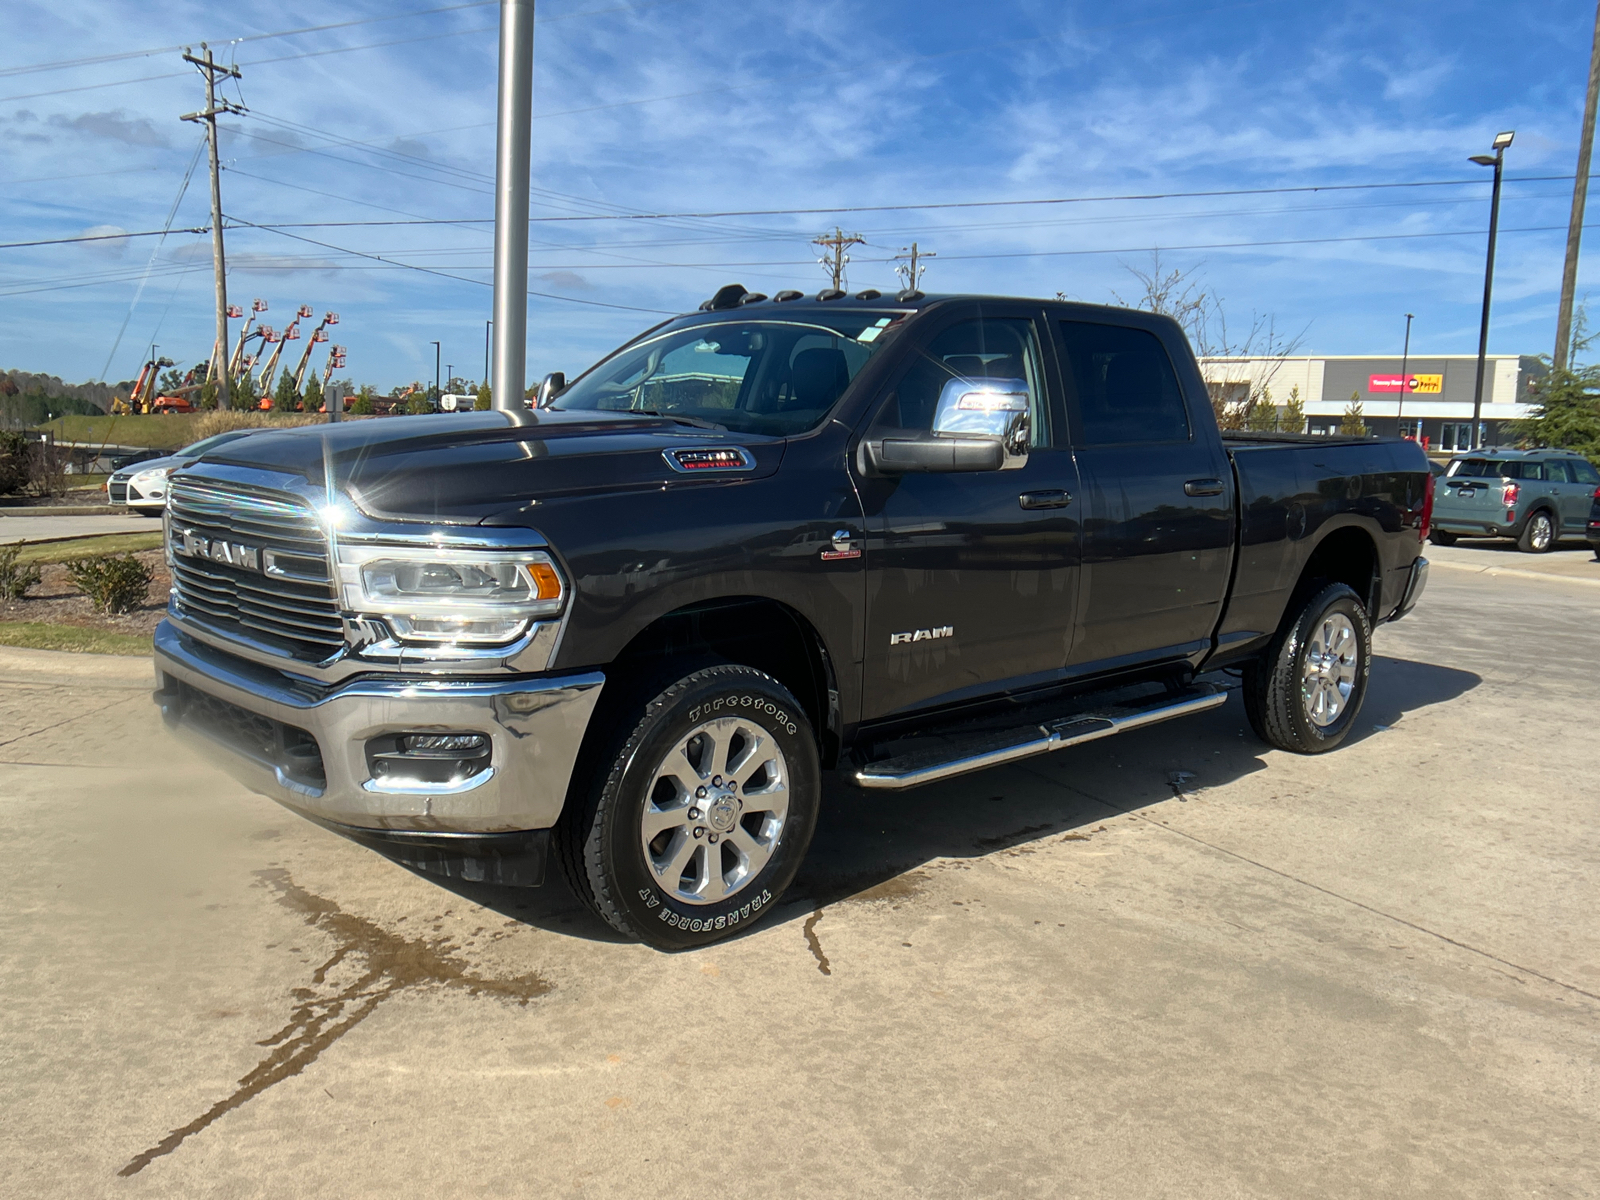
(143, 390)
(290, 334)
(319, 334)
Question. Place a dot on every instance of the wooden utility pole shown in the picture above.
(911, 271)
(211, 70)
(837, 243)
(1580, 199)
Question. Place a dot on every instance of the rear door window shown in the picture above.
(1583, 471)
(1556, 471)
(1122, 388)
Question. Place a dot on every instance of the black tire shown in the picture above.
(600, 838)
(1277, 694)
(1535, 539)
(1442, 537)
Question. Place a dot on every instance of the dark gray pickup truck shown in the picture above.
(899, 538)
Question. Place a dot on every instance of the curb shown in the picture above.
(133, 670)
(62, 510)
(1514, 573)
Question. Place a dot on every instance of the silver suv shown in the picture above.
(1535, 496)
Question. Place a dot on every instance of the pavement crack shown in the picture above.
(1317, 887)
(810, 930)
(391, 964)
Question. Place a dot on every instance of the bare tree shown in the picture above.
(1183, 296)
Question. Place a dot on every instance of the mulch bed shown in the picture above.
(57, 602)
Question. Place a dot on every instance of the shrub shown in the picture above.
(15, 469)
(362, 405)
(114, 583)
(233, 418)
(15, 578)
(418, 406)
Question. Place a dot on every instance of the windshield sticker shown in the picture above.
(870, 334)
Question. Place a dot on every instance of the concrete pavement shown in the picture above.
(1495, 556)
(23, 526)
(1169, 964)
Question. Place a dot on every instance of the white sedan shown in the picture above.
(143, 486)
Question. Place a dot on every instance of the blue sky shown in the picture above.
(687, 106)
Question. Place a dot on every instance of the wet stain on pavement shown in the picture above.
(810, 930)
(388, 964)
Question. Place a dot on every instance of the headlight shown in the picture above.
(436, 594)
(156, 478)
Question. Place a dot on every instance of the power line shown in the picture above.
(441, 274)
(102, 237)
(930, 207)
(96, 60)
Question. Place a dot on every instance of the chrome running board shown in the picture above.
(991, 750)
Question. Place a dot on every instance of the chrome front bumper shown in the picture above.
(535, 726)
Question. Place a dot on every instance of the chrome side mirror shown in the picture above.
(996, 408)
(553, 385)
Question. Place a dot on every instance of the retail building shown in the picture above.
(1436, 408)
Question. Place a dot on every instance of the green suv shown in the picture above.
(1535, 496)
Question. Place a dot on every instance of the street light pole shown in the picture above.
(513, 140)
(1405, 375)
(1497, 161)
(436, 372)
(488, 333)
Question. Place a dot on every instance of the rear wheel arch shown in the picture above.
(1347, 555)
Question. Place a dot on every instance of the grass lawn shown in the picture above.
(37, 635)
(105, 543)
(165, 433)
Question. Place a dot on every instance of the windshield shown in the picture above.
(205, 445)
(752, 376)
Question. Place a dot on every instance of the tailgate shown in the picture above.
(1474, 500)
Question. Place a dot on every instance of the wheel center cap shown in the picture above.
(722, 811)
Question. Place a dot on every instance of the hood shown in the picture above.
(463, 468)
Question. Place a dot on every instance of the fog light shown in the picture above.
(428, 758)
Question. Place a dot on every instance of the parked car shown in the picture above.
(1594, 524)
(900, 538)
(1535, 496)
(142, 485)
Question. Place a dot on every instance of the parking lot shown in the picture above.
(1170, 964)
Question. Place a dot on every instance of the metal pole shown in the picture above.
(1405, 377)
(436, 372)
(512, 166)
(488, 333)
(1580, 199)
(1488, 287)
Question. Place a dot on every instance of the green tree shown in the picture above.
(1263, 415)
(1354, 423)
(1566, 414)
(284, 396)
(313, 399)
(208, 396)
(419, 405)
(485, 398)
(362, 405)
(1293, 418)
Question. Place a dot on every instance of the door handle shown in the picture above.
(1203, 487)
(1050, 498)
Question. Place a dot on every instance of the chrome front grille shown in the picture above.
(280, 596)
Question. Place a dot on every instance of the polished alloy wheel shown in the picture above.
(716, 810)
(1329, 675)
(1541, 533)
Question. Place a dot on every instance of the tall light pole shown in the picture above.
(488, 333)
(513, 139)
(1405, 376)
(1580, 199)
(436, 372)
(1497, 161)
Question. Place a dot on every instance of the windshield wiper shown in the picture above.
(679, 417)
